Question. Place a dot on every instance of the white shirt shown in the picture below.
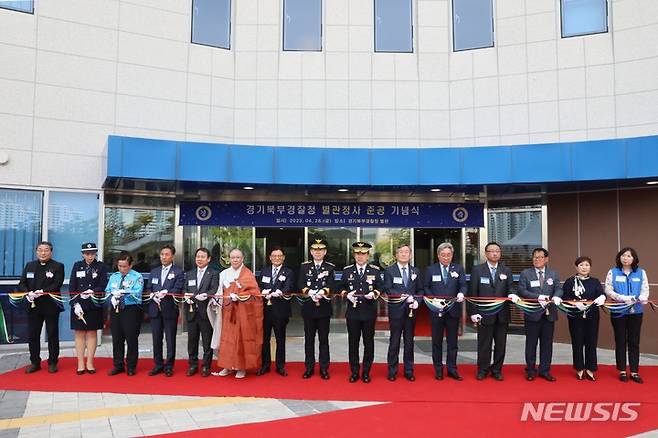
(227, 276)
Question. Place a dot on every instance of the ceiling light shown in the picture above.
(652, 183)
(435, 190)
(343, 190)
(248, 188)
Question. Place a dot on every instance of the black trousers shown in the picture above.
(450, 325)
(539, 332)
(125, 330)
(492, 335)
(627, 330)
(355, 329)
(164, 327)
(35, 320)
(321, 327)
(401, 327)
(584, 337)
(199, 328)
(279, 326)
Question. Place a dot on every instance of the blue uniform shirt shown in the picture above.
(133, 284)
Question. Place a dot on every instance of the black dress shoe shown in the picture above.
(391, 377)
(32, 369)
(282, 372)
(623, 377)
(115, 371)
(131, 372)
(262, 371)
(455, 375)
(410, 377)
(307, 374)
(530, 377)
(481, 375)
(547, 377)
(498, 376)
(92, 371)
(205, 371)
(191, 371)
(52, 368)
(80, 372)
(635, 377)
(366, 378)
(169, 372)
(438, 376)
(155, 371)
(354, 378)
(324, 375)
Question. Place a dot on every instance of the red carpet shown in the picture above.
(421, 406)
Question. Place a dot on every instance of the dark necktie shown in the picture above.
(493, 275)
(275, 272)
(122, 299)
(444, 272)
(405, 277)
(540, 275)
(360, 272)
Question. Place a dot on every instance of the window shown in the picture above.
(20, 229)
(302, 25)
(18, 5)
(584, 17)
(472, 24)
(393, 26)
(518, 230)
(211, 23)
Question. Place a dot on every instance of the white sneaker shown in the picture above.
(241, 374)
(225, 372)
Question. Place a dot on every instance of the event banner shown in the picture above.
(332, 214)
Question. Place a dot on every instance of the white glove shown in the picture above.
(542, 297)
(628, 299)
(86, 294)
(188, 297)
(410, 299)
(320, 292)
(77, 309)
(476, 318)
(151, 296)
(413, 305)
(369, 296)
(31, 296)
(580, 306)
(156, 299)
(117, 293)
(352, 297)
(460, 297)
(557, 301)
(514, 297)
(600, 300)
(266, 292)
(39, 292)
(644, 300)
(233, 296)
(277, 293)
(115, 301)
(163, 293)
(202, 297)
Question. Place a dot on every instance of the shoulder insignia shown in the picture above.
(349, 266)
(374, 266)
(330, 264)
(307, 262)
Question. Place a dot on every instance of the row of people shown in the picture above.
(245, 330)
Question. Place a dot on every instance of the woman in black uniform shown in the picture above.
(87, 276)
(584, 327)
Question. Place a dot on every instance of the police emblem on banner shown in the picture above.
(203, 213)
(460, 214)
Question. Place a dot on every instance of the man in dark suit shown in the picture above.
(316, 278)
(361, 285)
(39, 278)
(200, 285)
(491, 279)
(402, 281)
(276, 283)
(447, 280)
(163, 310)
(541, 283)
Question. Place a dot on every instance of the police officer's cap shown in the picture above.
(362, 247)
(319, 244)
(89, 246)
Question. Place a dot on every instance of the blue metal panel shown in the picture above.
(487, 165)
(251, 164)
(598, 160)
(642, 157)
(346, 166)
(394, 167)
(149, 159)
(295, 165)
(204, 162)
(439, 166)
(541, 162)
(114, 156)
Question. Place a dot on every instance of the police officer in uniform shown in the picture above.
(276, 282)
(361, 285)
(88, 276)
(316, 278)
(41, 276)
